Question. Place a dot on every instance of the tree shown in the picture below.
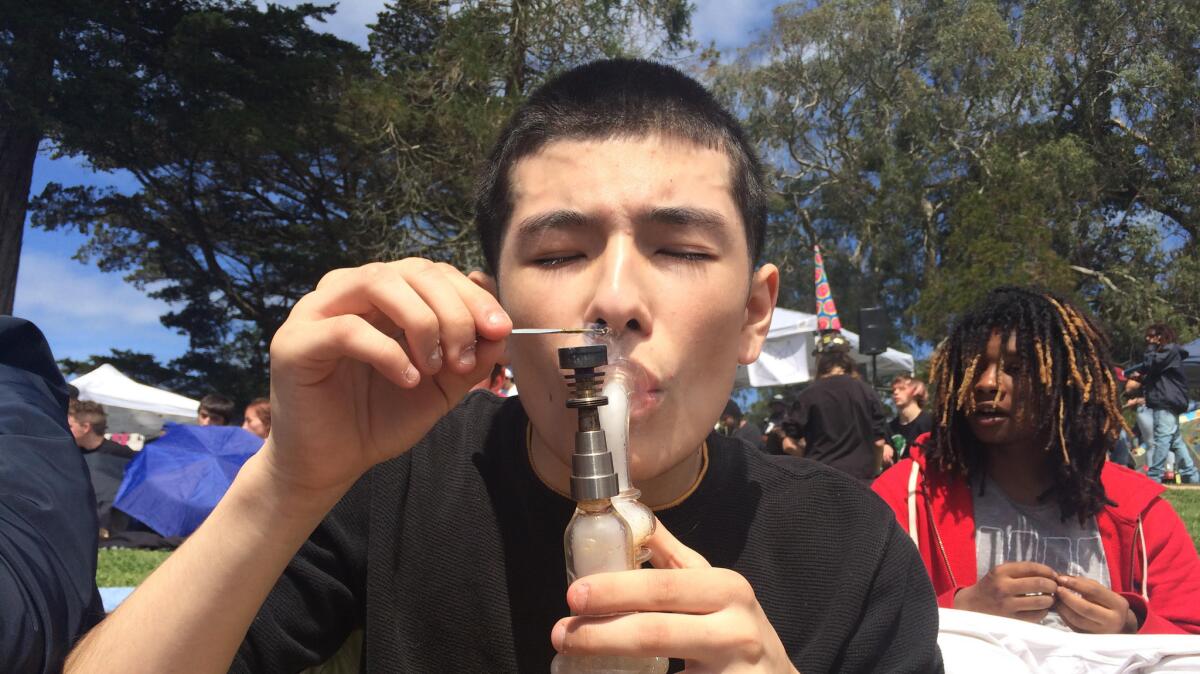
(230, 120)
(936, 149)
(268, 154)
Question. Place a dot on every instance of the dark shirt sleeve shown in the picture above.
(318, 601)
(879, 420)
(1156, 360)
(48, 528)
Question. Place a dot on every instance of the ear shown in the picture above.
(760, 305)
(485, 281)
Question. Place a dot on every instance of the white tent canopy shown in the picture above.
(108, 386)
(787, 354)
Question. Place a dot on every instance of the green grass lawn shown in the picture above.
(1186, 501)
(127, 568)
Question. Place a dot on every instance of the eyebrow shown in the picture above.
(685, 216)
(536, 225)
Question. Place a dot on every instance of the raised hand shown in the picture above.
(369, 361)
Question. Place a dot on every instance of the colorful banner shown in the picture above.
(827, 316)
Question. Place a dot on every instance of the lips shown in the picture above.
(988, 414)
(645, 391)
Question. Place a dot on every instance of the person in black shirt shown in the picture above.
(387, 499)
(736, 425)
(838, 419)
(911, 420)
(88, 422)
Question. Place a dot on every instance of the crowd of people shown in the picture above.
(400, 495)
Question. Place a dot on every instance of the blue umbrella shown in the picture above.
(176, 481)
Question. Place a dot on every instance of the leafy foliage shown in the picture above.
(937, 149)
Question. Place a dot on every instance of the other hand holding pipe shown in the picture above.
(683, 608)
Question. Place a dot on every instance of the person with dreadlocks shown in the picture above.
(1010, 500)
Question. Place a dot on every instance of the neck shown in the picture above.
(909, 412)
(833, 373)
(1022, 471)
(90, 441)
(657, 491)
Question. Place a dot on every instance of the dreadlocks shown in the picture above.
(1065, 367)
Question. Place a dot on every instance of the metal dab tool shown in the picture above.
(563, 331)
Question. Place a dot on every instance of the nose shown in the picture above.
(987, 382)
(620, 297)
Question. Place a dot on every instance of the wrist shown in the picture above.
(268, 489)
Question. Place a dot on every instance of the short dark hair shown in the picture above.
(1163, 331)
(835, 358)
(217, 405)
(618, 98)
(89, 412)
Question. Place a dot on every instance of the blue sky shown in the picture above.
(84, 311)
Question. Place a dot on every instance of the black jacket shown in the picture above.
(450, 558)
(48, 526)
(1163, 378)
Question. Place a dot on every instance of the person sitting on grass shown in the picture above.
(1011, 501)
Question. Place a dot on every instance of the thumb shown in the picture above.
(666, 552)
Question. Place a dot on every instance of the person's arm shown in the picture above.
(338, 375)
(319, 599)
(48, 527)
(1157, 359)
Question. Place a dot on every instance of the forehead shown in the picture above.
(619, 178)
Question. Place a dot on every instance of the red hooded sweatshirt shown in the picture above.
(1152, 561)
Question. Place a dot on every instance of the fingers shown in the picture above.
(694, 638)
(1093, 592)
(1028, 586)
(666, 552)
(438, 309)
(1026, 569)
(348, 336)
(1088, 606)
(695, 591)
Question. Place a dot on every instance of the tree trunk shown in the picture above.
(26, 86)
(18, 150)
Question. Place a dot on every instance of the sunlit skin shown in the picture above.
(644, 235)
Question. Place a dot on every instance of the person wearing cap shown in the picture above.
(736, 425)
(838, 419)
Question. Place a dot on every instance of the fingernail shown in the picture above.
(581, 592)
(495, 318)
(411, 375)
(435, 360)
(558, 635)
(467, 356)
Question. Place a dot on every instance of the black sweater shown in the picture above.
(450, 558)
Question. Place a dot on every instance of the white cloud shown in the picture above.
(83, 311)
(52, 285)
(730, 23)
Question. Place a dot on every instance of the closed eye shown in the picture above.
(551, 261)
(687, 255)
